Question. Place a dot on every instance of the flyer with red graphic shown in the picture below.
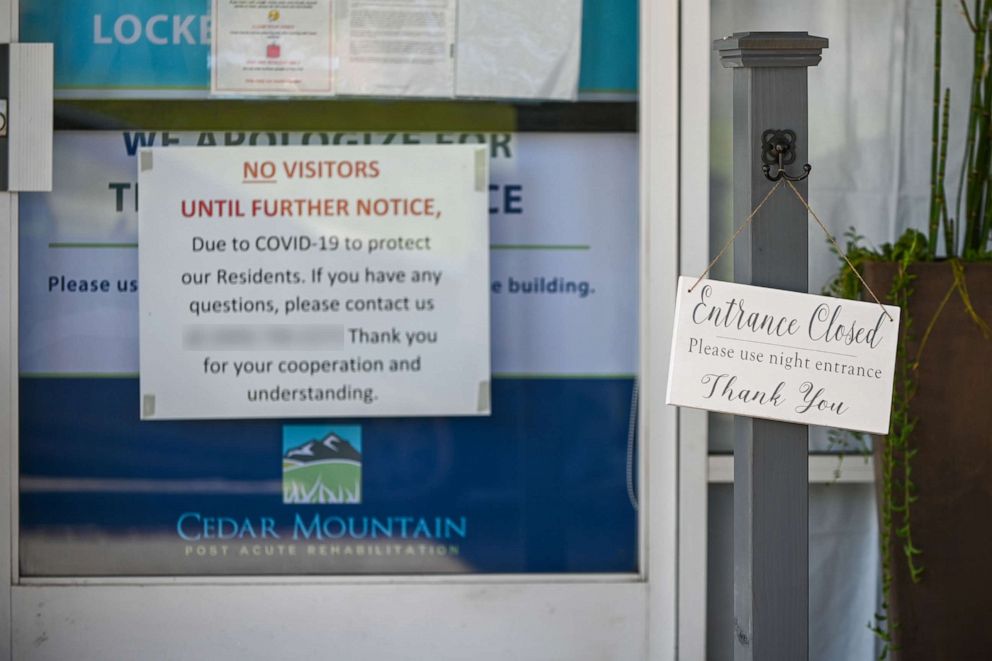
(272, 47)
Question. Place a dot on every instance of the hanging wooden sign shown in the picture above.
(782, 355)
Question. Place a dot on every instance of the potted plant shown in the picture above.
(934, 468)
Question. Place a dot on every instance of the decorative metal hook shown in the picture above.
(781, 174)
(778, 148)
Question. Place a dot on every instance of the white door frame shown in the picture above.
(481, 617)
(8, 376)
(694, 220)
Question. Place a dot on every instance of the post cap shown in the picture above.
(770, 49)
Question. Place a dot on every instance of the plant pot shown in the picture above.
(946, 614)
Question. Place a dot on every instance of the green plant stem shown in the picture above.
(934, 179)
(967, 16)
(984, 156)
(970, 139)
(978, 130)
(940, 200)
(984, 194)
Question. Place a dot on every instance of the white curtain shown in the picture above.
(870, 139)
(843, 574)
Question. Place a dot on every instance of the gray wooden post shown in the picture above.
(771, 531)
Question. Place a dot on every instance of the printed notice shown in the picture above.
(314, 282)
(396, 47)
(783, 355)
(519, 49)
(272, 47)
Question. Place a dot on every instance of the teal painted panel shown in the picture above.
(609, 46)
(123, 44)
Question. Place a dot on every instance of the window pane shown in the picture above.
(544, 484)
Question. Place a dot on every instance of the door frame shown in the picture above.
(485, 617)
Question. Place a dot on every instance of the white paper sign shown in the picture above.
(518, 49)
(783, 355)
(262, 47)
(316, 282)
(395, 47)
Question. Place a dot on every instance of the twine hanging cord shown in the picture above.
(809, 211)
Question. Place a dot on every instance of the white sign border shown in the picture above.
(678, 367)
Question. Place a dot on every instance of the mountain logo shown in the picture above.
(321, 465)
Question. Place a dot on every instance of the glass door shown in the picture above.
(532, 519)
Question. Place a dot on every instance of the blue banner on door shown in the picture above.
(538, 487)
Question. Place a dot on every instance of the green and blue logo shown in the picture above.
(321, 464)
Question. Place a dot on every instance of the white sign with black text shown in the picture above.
(767, 353)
